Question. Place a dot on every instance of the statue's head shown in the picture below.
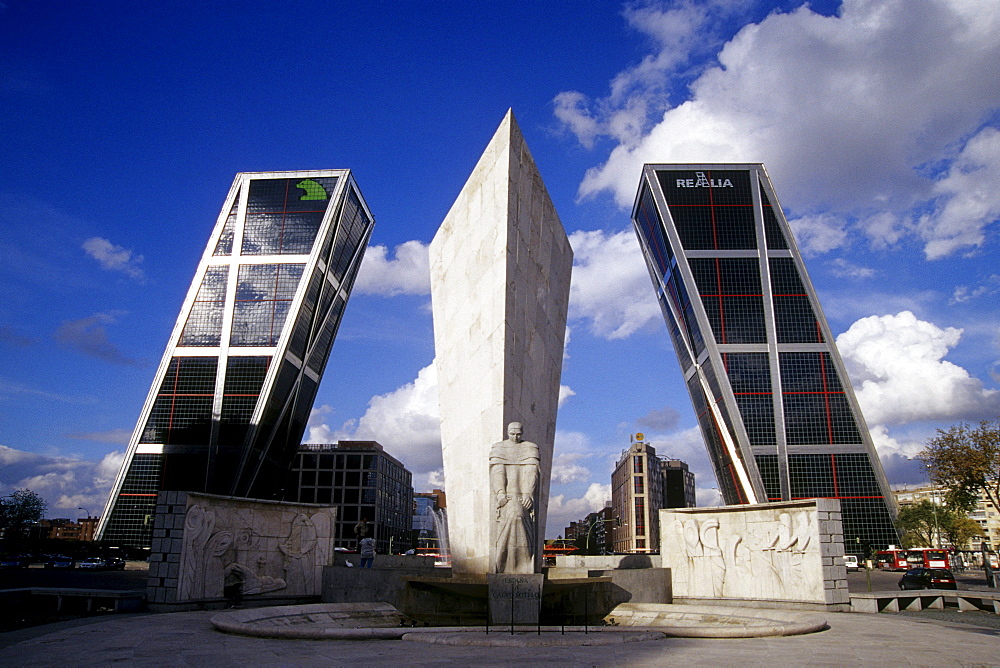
(514, 431)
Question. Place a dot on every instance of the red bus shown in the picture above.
(892, 560)
(902, 560)
(928, 558)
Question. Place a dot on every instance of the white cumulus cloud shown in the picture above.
(847, 112)
(897, 367)
(566, 468)
(405, 421)
(114, 258)
(407, 274)
(66, 483)
(610, 286)
(562, 511)
(968, 198)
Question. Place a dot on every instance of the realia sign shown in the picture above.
(703, 181)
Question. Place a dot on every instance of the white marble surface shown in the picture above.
(271, 546)
(500, 275)
(789, 551)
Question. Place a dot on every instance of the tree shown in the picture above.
(919, 523)
(961, 530)
(923, 524)
(966, 460)
(18, 511)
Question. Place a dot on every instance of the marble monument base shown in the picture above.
(466, 599)
(515, 598)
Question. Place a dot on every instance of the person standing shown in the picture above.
(367, 549)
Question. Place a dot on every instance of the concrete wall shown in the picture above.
(606, 562)
(638, 575)
(202, 543)
(790, 552)
(383, 582)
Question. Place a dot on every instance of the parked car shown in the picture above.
(928, 578)
(15, 561)
(92, 563)
(851, 561)
(59, 561)
(114, 564)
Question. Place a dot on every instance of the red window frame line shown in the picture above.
(798, 498)
(826, 397)
(258, 301)
(715, 232)
(819, 331)
(284, 214)
(817, 392)
(833, 466)
(275, 300)
(733, 294)
(173, 396)
(718, 279)
(270, 213)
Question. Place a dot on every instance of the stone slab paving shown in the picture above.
(188, 639)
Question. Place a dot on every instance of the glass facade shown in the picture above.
(777, 413)
(365, 483)
(230, 402)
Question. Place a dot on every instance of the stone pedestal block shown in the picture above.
(515, 599)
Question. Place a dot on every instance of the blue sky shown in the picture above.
(123, 125)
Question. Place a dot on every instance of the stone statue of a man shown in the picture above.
(514, 488)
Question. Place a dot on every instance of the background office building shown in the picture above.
(593, 534)
(678, 484)
(230, 399)
(639, 489)
(776, 409)
(365, 483)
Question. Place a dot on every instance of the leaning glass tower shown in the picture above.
(231, 397)
(776, 408)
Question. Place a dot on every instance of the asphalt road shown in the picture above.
(857, 581)
(133, 577)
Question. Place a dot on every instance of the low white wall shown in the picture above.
(789, 551)
(203, 542)
(607, 562)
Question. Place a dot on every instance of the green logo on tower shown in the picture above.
(313, 189)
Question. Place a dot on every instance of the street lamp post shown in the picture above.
(594, 524)
(86, 511)
(936, 538)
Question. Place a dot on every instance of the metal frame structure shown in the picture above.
(229, 402)
(776, 408)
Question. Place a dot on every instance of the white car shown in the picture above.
(851, 562)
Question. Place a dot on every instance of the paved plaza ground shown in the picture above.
(188, 639)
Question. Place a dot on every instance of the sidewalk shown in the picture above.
(188, 639)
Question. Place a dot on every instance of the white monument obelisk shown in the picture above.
(500, 276)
